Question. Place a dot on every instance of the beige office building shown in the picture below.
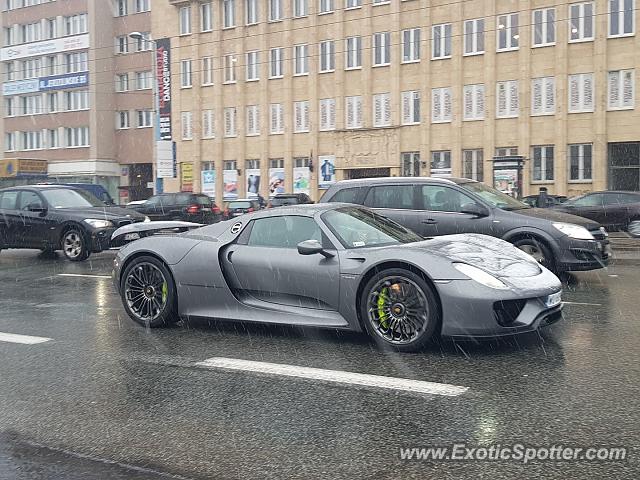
(76, 94)
(284, 88)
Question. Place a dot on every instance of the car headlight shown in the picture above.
(480, 276)
(147, 219)
(97, 223)
(574, 231)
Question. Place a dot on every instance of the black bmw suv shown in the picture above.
(438, 206)
(59, 217)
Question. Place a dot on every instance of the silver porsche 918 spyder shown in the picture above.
(335, 266)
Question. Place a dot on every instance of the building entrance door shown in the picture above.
(624, 166)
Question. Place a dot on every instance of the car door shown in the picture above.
(35, 222)
(266, 265)
(396, 202)
(9, 219)
(154, 208)
(443, 207)
(615, 210)
(589, 206)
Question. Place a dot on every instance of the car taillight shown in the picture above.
(250, 210)
(215, 209)
(193, 208)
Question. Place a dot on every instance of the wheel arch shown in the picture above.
(65, 227)
(521, 234)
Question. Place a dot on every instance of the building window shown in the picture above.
(411, 45)
(301, 162)
(544, 27)
(208, 124)
(301, 115)
(472, 164)
(32, 140)
(253, 120)
(229, 68)
(143, 6)
(441, 41)
(51, 64)
(228, 13)
(230, 122)
(207, 71)
(77, 136)
(143, 44)
(382, 110)
(10, 141)
(327, 114)
(185, 20)
(621, 90)
(76, 100)
(410, 107)
(145, 118)
(53, 138)
(507, 32)
(122, 45)
(75, 24)
(581, 22)
(581, 93)
(327, 56)
(507, 103)
(206, 17)
(52, 102)
(353, 53)
(353, 4)
(143, 80)
(410, 164)
(621, 17)
(381, 48)
(474, 36)
(275, 10)
(31, 105)
(300, 8)
(51, 28)
(8, 107)
(76, 62)
(253, 61)
(301, 59)
(506, 151)
(543, 96)
(326, 6)
(473, 102)
(353, 112)
(542, 163)
(251, 11)
(122, 8)
(186, 76)
(31, 68)
(276, 120)
(276, 62)
(186, 122)
(441, 163)
(441, 105)
(276, 163)
(230, 165)
(580, 161)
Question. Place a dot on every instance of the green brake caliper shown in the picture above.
(382, 299)
(165, 291)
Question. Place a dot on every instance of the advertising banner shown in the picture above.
(301, 181)
(46, 47)
(276, 181)
(165, 159)
(58, 82)
(230, 180)
(21, 86)
(208, 178)
(326, 170)
(186, 177)
(253, 182)
(163, 75)
(18, 167)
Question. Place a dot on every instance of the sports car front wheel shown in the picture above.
(148, 292)
(400, 310)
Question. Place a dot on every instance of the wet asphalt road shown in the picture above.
(108, 399)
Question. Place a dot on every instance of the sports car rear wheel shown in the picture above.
(400, 309)
(148, 292)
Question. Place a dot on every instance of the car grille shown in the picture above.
(506, 311)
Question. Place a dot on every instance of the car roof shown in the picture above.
(47, 186)
(305, 210)
(401, 180)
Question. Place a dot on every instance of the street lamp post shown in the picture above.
(157, 184)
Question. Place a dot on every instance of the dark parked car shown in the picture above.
(614, 210)
(236, 208)
(432, 206)
(96, 190)
(59, 217)
(188, 207)
(552, 200)
(283, 199)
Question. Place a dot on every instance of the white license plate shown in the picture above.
(132, 236)
(553, 299)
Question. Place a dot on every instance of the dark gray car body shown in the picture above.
(217, 276)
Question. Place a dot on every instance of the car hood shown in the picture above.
(555, 215)
(495, 256)
(103, 213)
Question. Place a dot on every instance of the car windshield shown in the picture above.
(357, 228)
(494, 197)
(239, 204)
(68, 198)
(202, 200)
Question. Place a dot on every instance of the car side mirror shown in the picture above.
(312, 247)
(474, 209)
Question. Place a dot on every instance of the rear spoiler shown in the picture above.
(135, 231)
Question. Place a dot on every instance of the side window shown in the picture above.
(589, 201)
(29, 199)
(153, 201)
(613, 199)
(347, 195)
(439, 198)
(182, 199)
(629, 198)
(283, 232)
(8, 200)
(395, 196)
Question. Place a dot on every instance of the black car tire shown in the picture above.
(538, 249)
(75, 245)
(427, 327)
(168, 314)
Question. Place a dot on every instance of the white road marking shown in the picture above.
(335, 376)
(583, 303)
(24, 339)
(82, 275)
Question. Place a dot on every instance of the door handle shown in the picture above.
(229, 256)
(429, 221)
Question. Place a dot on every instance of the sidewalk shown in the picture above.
(626, 250)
